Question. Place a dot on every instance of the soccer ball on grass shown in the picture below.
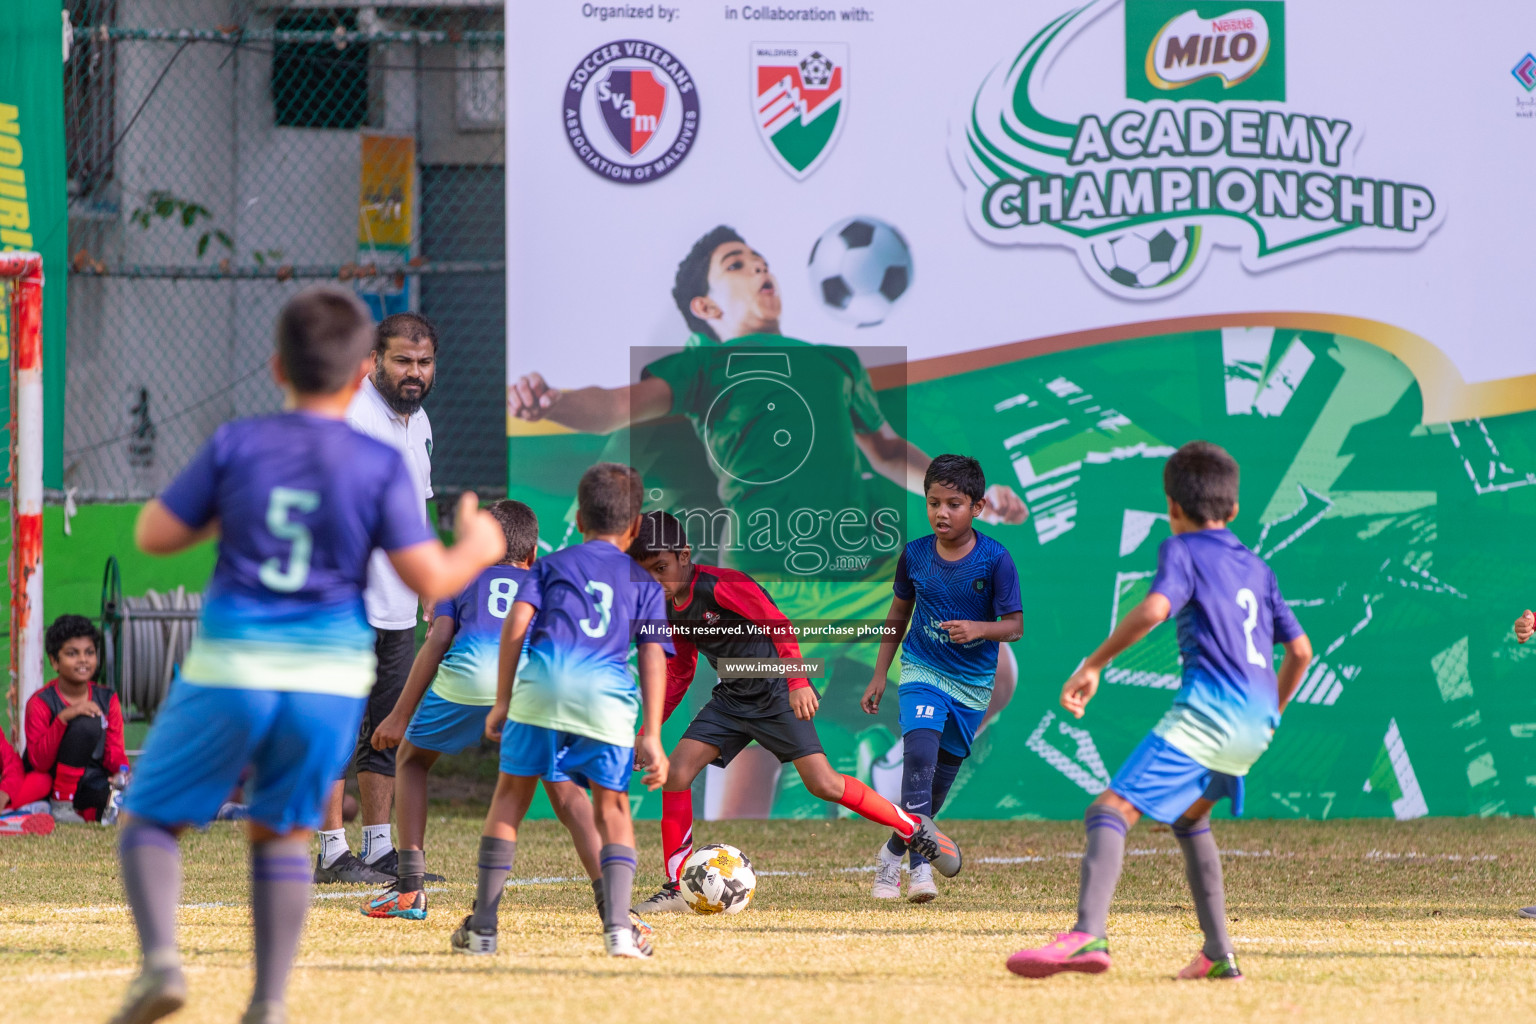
(718, 879)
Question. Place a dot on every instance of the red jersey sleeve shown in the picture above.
(680, 671)
(42, 737)
(115, 754)
(741, 594)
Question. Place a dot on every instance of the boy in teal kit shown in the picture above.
(571, 710)
(1230, 617)
(962, 589)
(280, 670)
(459, 659)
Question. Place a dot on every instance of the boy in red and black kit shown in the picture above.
(74, 728)
(723, 613)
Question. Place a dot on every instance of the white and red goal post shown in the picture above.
(21, 274)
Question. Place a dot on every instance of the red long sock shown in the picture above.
(66, 779)
(676, 831)
(862, 800)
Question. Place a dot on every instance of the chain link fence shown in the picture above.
(223, 154)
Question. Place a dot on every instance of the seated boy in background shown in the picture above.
(459, 659)
(74, 729)
(962, 589)
(1230, 617)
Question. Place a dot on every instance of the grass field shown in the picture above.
(1333, 921)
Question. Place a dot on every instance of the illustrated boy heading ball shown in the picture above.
(860, 267)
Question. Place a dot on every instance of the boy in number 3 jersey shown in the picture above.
(280, 670)
(1230, 617)
(459, 661)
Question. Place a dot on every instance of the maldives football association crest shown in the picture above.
(800, 101)
(631, 111)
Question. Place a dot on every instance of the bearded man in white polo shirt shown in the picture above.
(388, 408)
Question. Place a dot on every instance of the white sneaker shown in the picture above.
(669, 899)
(920, 887)
(64, 812)
(887, 875)
(627, 942)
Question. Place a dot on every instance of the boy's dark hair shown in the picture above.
(609, 497)
(1202, 479)
(323, 335)
(69, 627)
(410, 326)
(659, 531)
(693, 276)
(961, 472)
(520, 526)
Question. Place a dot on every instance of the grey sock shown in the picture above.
(597, 897)
(151, 866)
(619, 864)
(1202, 866)
(413, 864)
(495, 864)
(1101, 868)
(281, 876)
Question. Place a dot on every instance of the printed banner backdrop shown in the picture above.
(1064, 240)
(33, 212)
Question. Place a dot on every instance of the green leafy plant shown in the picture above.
(161, 205)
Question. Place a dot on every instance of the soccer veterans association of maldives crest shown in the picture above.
(631, 111)
(799, 101)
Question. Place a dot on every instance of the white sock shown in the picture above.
(332, 845)
(376, 842)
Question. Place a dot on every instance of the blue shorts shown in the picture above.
(1161, 781)
(533, 750)
(445, 726)
(928, 707)
(204, 737)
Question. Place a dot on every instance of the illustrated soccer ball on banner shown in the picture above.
(1147, 256)
(860, 267)
(718, 879)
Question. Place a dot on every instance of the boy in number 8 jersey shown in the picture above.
(282, 664)
(1230, 617)
(459, 660)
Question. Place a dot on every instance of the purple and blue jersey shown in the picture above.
(1230, 616)
(300, 501)
(590, 602)
(981, 587)
(467, 673)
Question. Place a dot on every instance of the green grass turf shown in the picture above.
(1333, 921)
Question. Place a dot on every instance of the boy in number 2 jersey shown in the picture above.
(1230, 617)
(278, 675)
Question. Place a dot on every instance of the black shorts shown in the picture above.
(395, 650)
(782, 734)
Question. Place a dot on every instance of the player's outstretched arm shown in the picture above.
(894, 457)
(896, 622)
(653, 686)
(157, 531)
(391, 731)
(1004, 630)
(1298, 655)
(590, 410)
(437, 573)
(1084, 683)
(1525, 626)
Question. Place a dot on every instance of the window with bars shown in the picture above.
(319, 84)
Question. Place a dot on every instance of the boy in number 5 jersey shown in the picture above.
(1230, 617)
(280, 670)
